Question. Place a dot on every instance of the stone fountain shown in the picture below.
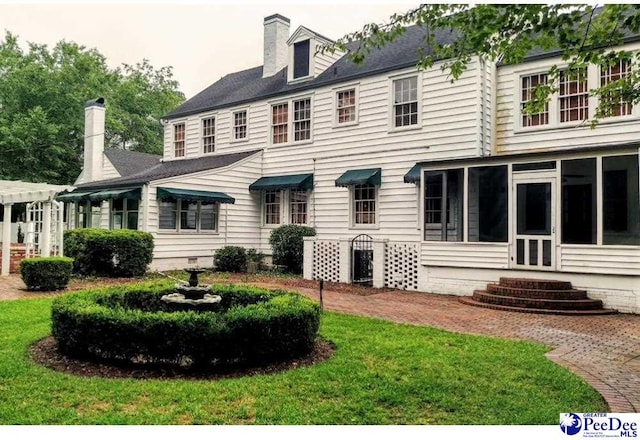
(192, 293)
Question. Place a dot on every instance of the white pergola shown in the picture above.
(25, 192)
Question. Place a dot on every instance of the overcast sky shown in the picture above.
(203, 41)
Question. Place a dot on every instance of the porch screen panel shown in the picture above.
(488, 204)
(579, 223)
(443, 205)
(620, 201)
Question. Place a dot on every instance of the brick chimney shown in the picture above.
(93, 139)
(276, 34)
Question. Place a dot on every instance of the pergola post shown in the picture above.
(6, 240)
(45, 242)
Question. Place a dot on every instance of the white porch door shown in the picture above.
(534, 214)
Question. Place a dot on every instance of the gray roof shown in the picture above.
(248, 85)
(163, 170)
(131, 162)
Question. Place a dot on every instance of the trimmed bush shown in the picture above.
(112, 253)
(46, 273)
(287, 245)
(131, 324)
(231, 259)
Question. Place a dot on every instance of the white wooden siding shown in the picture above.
(475, 255)
(322, 61)
(108, 170)
(449, 129)
(511, 138)
(241, 226)
(614, 260)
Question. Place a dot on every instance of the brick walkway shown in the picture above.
(604, 350)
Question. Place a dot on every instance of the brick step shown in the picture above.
(470, 301)
(533, 284)
(536, 303)
(515, 292)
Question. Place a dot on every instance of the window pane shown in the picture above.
(188, 215)
(364, 208)
(132, 220)
(405, 99)
(168, 215)
(298, 207)
(534, 208)
(272, 207)
(116, 220)
(579, 201)
(96, 217)
(208, 216)
(117, 205)
(621, 206)
(488, 204)
(443, 204)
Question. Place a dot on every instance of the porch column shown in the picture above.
(307, 258)
(45, 242)
(345, 260)
(6, 240)
(379, 250)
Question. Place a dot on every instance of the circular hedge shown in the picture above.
(131, 324)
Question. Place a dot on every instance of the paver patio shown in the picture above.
(604, 350)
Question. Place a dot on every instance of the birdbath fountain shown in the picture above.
(192, 293)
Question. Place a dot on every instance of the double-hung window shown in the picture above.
(88, 214)
(240, 125)
(124, 214)
(617, 105)
(405, 102)
(272, 207)
(298, 207)
(346, 106)
(302, 119)
(178, 139)
(280, 123)
(297, 111)
(183, 215)
(209, 135)
(364, 204)
(573, 96)
(529, 86)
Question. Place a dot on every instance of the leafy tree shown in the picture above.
(42, 95)
(581, 34)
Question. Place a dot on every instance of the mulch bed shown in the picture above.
(45, 352)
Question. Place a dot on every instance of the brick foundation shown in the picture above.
(18, 252)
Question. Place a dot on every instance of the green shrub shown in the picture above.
(131, 324)
(46, 273)
(231, 259)
(112, 253)
(287, 245)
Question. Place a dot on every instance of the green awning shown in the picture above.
(74, 196)
(191, 195)
(369, 176)
(293, 181)
(116, 194)
(413, 176)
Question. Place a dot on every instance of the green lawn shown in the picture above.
(381, 373)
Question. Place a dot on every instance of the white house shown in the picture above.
(453, 184)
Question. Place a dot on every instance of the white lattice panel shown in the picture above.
(401, 266)
(326, 260)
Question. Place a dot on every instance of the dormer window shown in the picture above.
(301, 59)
